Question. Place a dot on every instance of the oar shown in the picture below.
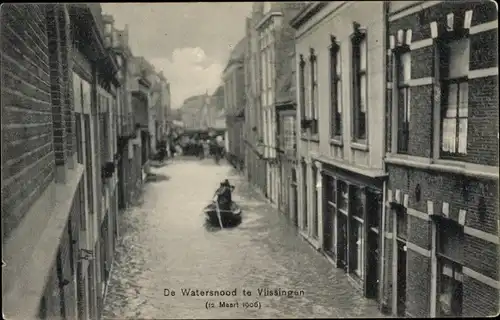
(218, 212)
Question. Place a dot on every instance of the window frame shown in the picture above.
(313, 103)
(403, 107)
(335, 85)
(446, 81)
(357, 39)
(302, 88)
(401, 215)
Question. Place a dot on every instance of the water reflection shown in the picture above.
(214, 227)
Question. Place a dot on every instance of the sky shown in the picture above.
(189, 42)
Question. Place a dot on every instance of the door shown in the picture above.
(327, 228)
(342, 241)
(401, 283)
(372, 266)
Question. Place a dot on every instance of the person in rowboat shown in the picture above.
(224, 195)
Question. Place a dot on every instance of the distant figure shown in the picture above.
(206, 150)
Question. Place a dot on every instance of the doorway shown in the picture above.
(295, 198)
(342, 242)
(372, 273)
(401, 279)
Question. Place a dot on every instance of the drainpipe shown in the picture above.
(383, 281)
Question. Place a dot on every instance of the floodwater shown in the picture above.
(166, 249)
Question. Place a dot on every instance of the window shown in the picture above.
(314, 91)
(335, 90)
(315, 202)
(356, 202)
(304, 196)
(77, 95)
(302, 89)
(307, 91)
(358, 235)
(450, 289)
(401, 222)
(288, 133)
(374, 205)
(330, 189)
(343, 196)
(403, 62)
(454, 69)
(359, 85)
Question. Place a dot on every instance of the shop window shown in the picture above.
(315, 202)
(374, 208)
(357, 264)
(304, 196)
(343, 196)
(356, 202)
(330, 189)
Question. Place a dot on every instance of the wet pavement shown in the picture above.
(166, 245)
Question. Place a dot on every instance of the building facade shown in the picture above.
(234, 104)
(253, 138)
(275, 41)
(340, 59)
(442, 160)
(58, 211)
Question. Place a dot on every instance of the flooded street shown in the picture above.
(165, 247)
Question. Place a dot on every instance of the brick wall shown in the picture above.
(418, 284)
(27, 151)
(55, 45)
(483, 95)
(479, 300)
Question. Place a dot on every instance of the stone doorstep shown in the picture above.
(30, 256)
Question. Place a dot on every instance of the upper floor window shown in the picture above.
(454, 69)
(403, 65)
(313, 59)
(335, 89)
(302, 88)
(359, 85)
(288, 133)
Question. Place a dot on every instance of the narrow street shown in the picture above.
(165, 244)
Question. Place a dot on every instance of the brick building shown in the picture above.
(57, 189)
(340, 64)
(442, 159)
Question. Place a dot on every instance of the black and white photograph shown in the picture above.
(250, 160)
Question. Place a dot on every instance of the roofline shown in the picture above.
(307, 13)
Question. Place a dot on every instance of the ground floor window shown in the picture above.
(450, 289)
(450, 256)
(314, 202)
(342, 240)
(330, 216)
(304, 197)
(357, 241)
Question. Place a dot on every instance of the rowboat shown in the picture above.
(226, 216)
